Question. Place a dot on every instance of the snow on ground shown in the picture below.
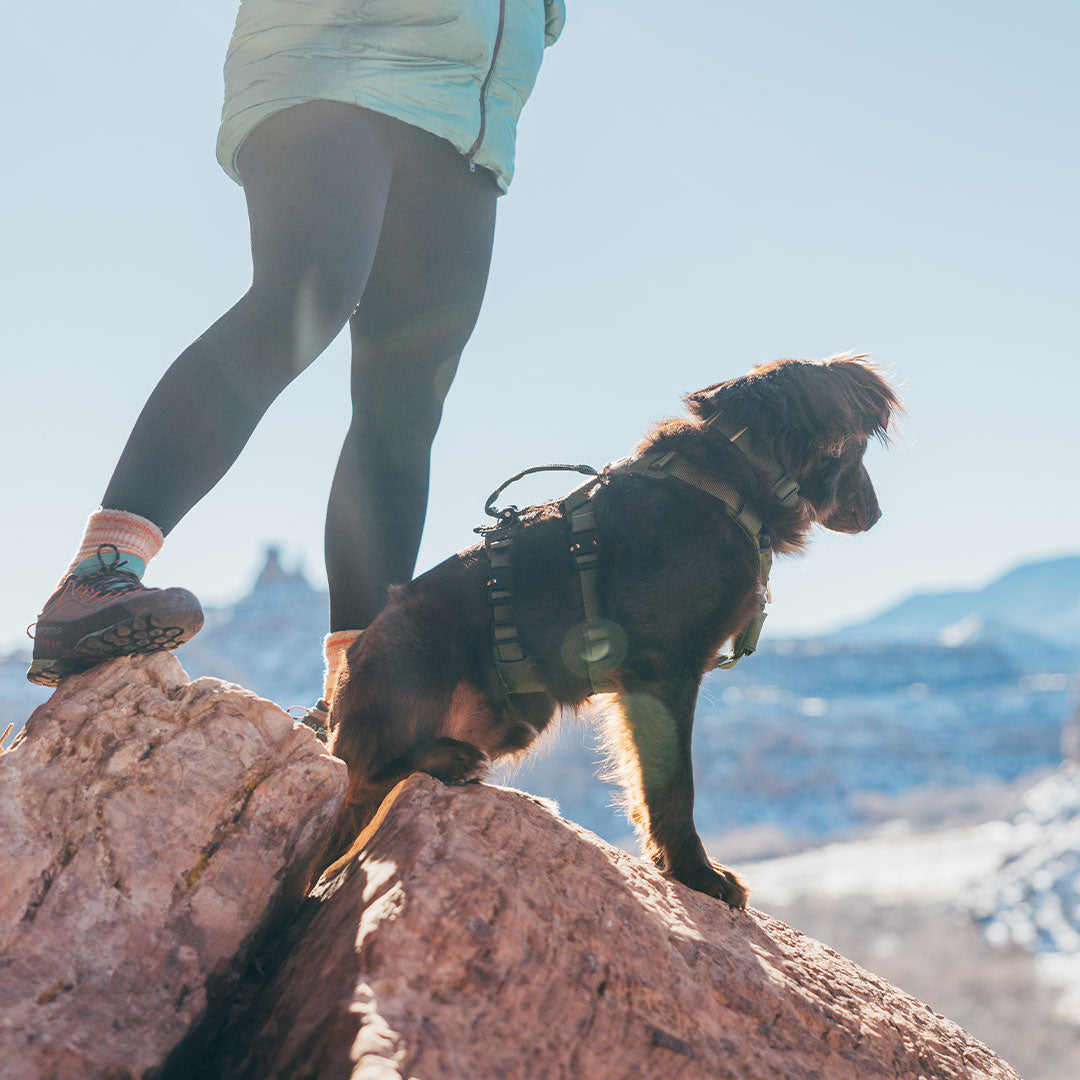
(893, 865)
(1019, 879)
(1034, 898)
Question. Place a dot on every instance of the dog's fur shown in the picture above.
(420, 692)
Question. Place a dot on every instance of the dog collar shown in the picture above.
(780, 483)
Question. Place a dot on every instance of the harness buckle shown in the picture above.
(786, 490)
(597, 638)
(661, 463)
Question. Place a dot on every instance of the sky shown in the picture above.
(701, 187)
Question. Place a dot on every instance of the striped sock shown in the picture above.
(335, 646)
(137, 539)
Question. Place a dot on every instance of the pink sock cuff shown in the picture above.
(132, 534)
(339, 640)
(335, 646)
(129, 533)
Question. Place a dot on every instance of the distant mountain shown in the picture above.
(270, 641)
(1035, 607)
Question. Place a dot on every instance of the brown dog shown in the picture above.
(677, 576)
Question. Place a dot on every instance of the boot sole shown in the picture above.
(135, 636)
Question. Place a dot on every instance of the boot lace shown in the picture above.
(112, 577)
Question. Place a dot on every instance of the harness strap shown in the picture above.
(667, 463)
(662, 464)
(518, 673)
(783, 486)
(597, 649)
(746, 641)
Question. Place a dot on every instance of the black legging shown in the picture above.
(354, 217)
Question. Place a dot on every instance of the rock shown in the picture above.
(153, 830)
(160, 834)
(475, 935)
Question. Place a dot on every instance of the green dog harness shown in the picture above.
(599, 648)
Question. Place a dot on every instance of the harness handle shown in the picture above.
(511, 511)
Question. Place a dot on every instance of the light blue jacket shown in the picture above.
(461, 69)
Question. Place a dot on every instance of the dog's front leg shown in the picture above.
(657, 773)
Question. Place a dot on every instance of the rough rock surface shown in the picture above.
(477, 935)
(150, 829)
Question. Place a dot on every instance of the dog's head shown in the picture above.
(816, 419)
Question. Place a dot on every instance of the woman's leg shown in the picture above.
(420, 305)
(316, 178)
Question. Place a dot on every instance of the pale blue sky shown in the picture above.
(701, 186)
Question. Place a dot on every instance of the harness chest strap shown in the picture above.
(597, 645)
(518, 673)
(667, 463)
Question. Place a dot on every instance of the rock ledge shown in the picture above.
(475, 934)
(153, 829)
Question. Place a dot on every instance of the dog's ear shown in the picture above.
(720, 397)
(862, 394)
(804, 408)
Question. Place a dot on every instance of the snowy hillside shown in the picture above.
(1032, 899)
(816, 739)
(1018, 878)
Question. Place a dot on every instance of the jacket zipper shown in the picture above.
(471, 155)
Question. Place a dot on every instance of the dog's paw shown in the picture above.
(453, 761)
(714, 880)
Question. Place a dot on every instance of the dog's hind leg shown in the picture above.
(351, 820)
(378, 734)
(652, 752)
(449, 760)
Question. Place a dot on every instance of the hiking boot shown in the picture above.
(95, 616)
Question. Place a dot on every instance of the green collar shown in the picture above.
(782, 485)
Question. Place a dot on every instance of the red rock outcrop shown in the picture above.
(157, 837)
(476, 935)
(151, 829)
